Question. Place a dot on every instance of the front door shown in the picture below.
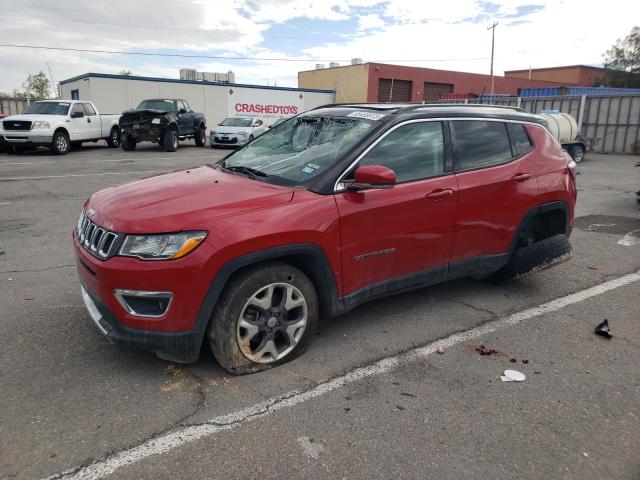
(404, 232)
(185, 119)
(80, 126)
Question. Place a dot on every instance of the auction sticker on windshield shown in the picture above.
(366, 115)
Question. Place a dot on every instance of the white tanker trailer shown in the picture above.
(565, 129)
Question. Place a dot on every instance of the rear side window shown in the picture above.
(519, 139)
(89, 109)
(413, 151)
(480, 143)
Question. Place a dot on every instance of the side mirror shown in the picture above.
(77, 114)
(182, 111)
(370, 177)
(257, 123)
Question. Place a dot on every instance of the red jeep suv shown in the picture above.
(327, 210)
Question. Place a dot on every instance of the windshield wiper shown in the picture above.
(250, 172)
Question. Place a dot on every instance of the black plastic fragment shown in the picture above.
(603, 329)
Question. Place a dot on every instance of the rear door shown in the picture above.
(497, 186)
(405, 231)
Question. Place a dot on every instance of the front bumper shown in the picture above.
(176, 335)
(144, 133)
(228, 140)
(25, 139)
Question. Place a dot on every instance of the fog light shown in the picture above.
(144, 304)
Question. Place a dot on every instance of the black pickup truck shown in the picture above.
(163, 121)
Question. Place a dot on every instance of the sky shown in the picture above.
(278, 38)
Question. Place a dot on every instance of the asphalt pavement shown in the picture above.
(370, 399)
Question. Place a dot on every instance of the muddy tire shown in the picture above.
(113, 141)
(536, 257)
(60, 144)
(170, 140)
(128, 143)
(201, 137)
(265, 316)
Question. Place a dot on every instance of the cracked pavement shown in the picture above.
(69, 398)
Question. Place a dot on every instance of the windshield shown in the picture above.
(236, 122)
(47, 108)
(301, 149)
(162, 105)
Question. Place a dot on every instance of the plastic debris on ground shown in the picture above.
(482, 350)
(603, 329)
(440, 350)
(513, 376)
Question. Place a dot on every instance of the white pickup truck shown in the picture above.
(60, 125)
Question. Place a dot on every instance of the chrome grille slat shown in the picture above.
(95, 239)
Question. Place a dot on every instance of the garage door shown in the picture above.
(432, 90)
(391, 90)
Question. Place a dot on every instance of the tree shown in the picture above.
(37, 86)
(622, 61)
(125, 72)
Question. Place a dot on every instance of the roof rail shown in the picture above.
(481, 105)
(398, 108)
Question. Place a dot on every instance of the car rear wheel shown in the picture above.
(535, 257)
(201, 137)
(113, 141)
(170, 140)
(60, 144)
(265, 316)
(128, 143)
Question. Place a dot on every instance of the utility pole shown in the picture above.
(493, 42)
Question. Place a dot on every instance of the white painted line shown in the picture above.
(6, 204)
(24, 163)
(79, 175)
(629, 239)
(184, 435)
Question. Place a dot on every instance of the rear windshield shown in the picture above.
(236, 122)
(296, 151)
(47, 108)
(162, 105)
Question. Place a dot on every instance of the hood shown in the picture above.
(183, 200)
(146, 112)
(223, 129)
(36, 117)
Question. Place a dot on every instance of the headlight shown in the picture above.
(35, 125)
(161, 247)
(156, 120)
(245, 133)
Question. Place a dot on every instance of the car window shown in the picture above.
(481, 143)
(413, 151)
(89, 109)
(519, 139)
(77, 108)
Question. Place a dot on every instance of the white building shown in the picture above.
(116, 93)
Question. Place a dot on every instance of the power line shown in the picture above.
(223, 57)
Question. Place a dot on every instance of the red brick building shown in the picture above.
(379, 82)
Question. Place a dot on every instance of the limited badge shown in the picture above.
(91, 212)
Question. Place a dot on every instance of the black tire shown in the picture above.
(60, 144)
(577, 153)
(113, 141)
(223, 330)
(201, 137)
(170, 140)
(128, 143)
(536, 257)
(250, 139)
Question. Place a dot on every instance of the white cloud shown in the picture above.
(563, 33)
(370, 22)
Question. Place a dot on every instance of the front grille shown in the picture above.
(96, 240)
(16, 125)
(225, 140)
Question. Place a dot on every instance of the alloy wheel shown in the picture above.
(272, 323)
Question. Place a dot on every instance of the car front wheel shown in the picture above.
(265, 316)
(170, 141)
(60, 144)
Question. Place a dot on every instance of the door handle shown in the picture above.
(521, 177)
(439, 194)
(88, 120)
